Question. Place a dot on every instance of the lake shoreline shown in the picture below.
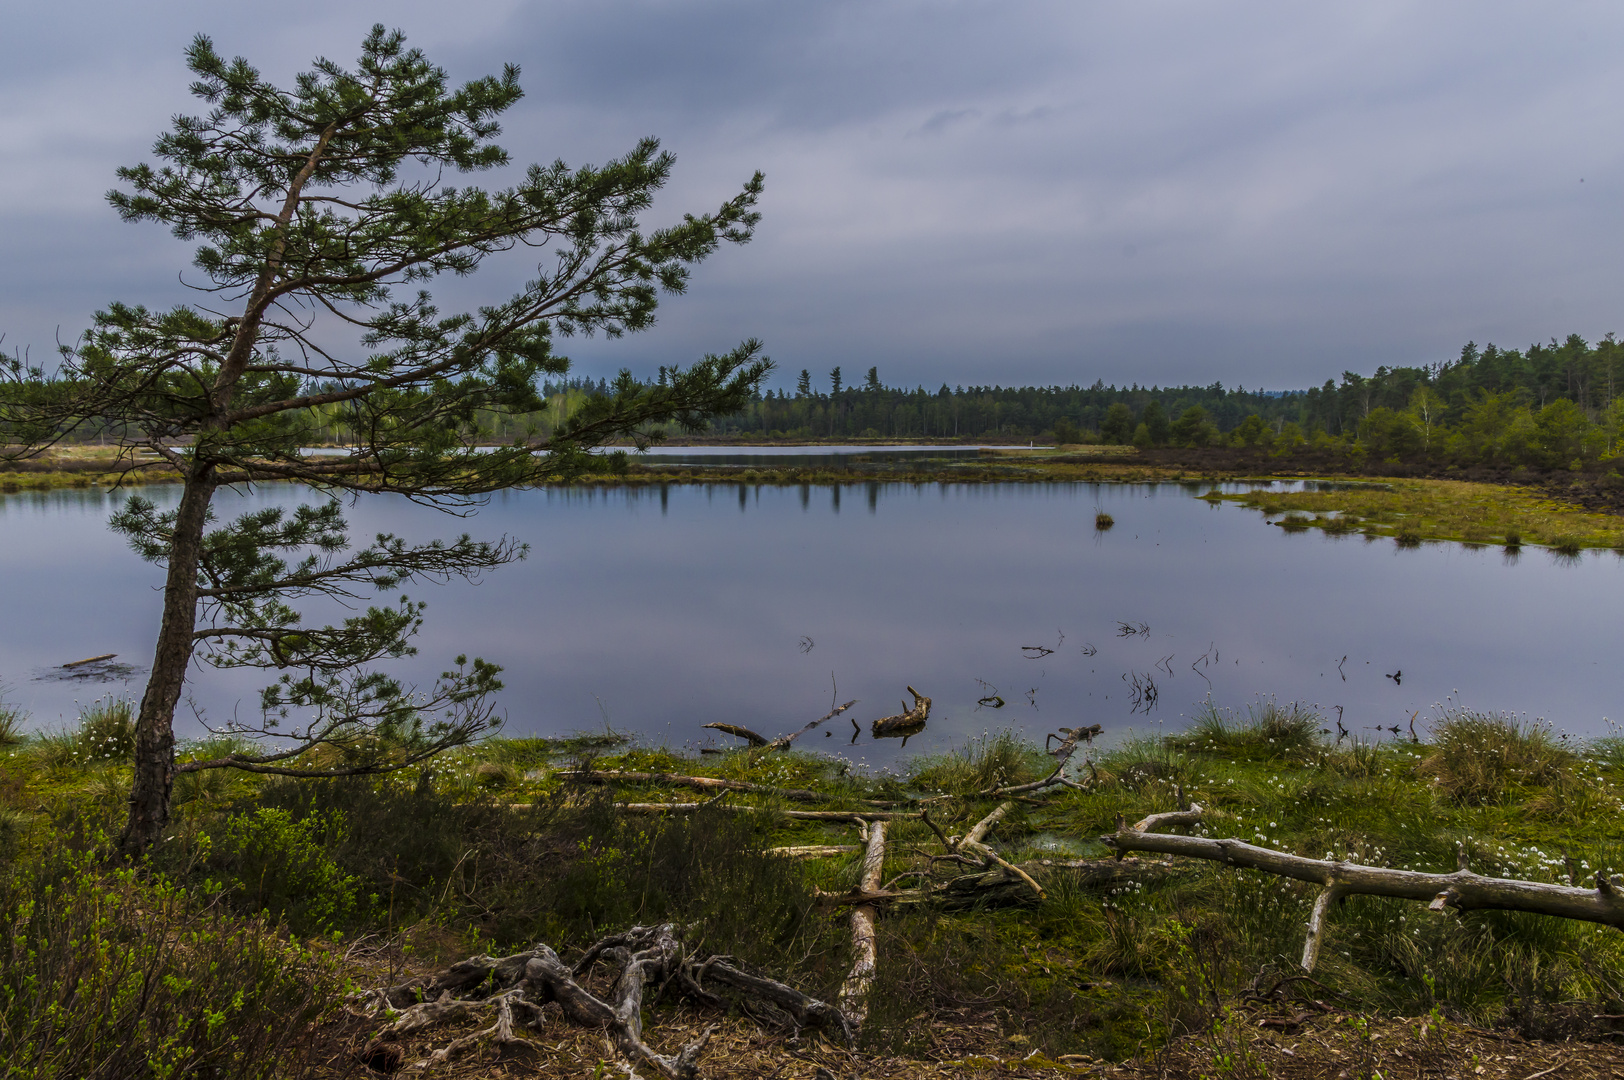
(1563, 512)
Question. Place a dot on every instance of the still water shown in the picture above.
(656, 611)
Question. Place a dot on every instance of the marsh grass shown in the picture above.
(993, 760)
(1266, 730)
(1482, 758)
(1411, 511)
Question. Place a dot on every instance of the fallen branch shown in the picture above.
(906, 723)
(854, 992)
(1462, 890)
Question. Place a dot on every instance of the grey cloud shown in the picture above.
(1010, 192)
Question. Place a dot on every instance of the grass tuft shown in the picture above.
(1267, 730)
(1478, 759)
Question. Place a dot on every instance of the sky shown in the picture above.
(1010, 192)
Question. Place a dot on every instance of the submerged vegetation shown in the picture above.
(496, 846)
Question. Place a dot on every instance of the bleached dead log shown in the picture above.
(854, 992)
(701, 783)
(1462, 890)
(814, 851)
(798, 815)
(906, 723)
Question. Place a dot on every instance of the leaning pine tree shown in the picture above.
(321, 214)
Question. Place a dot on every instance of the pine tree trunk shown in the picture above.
(155, 726)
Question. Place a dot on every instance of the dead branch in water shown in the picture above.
(739, 732)
(905, 723)
(1462, 890)
(783, 741)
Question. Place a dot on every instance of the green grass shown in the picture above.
(437, 857)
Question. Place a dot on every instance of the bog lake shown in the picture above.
(656, 609)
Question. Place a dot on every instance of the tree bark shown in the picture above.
(154, 760)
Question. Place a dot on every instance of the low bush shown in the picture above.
(108, 977)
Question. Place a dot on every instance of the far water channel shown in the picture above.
(655, 611)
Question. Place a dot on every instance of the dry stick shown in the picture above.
(783, 741)
(704, 783)
(1461, 890)
(854, 994)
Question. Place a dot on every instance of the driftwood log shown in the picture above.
(907, 723)
(798, 815)
(517, 986)
(1462, 890)
(739, 732)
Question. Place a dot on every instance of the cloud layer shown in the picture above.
(1010, 192)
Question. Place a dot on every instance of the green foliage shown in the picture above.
(270, 861)
(106, 975)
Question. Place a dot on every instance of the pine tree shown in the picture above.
(320, 214)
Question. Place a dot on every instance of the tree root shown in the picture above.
(518, 986)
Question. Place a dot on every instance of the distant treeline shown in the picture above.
(1547, 406)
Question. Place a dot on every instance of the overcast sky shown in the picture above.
(1009, 192)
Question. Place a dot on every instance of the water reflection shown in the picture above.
(698, 612)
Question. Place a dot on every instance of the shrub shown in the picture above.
(1479, 758)
(106, 976)
(276, 864)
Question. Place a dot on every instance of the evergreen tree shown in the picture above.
(327, 198)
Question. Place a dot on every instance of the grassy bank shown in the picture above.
(1411, 511)
(494, 848)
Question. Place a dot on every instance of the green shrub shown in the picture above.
(273, 863)
(108, 977)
